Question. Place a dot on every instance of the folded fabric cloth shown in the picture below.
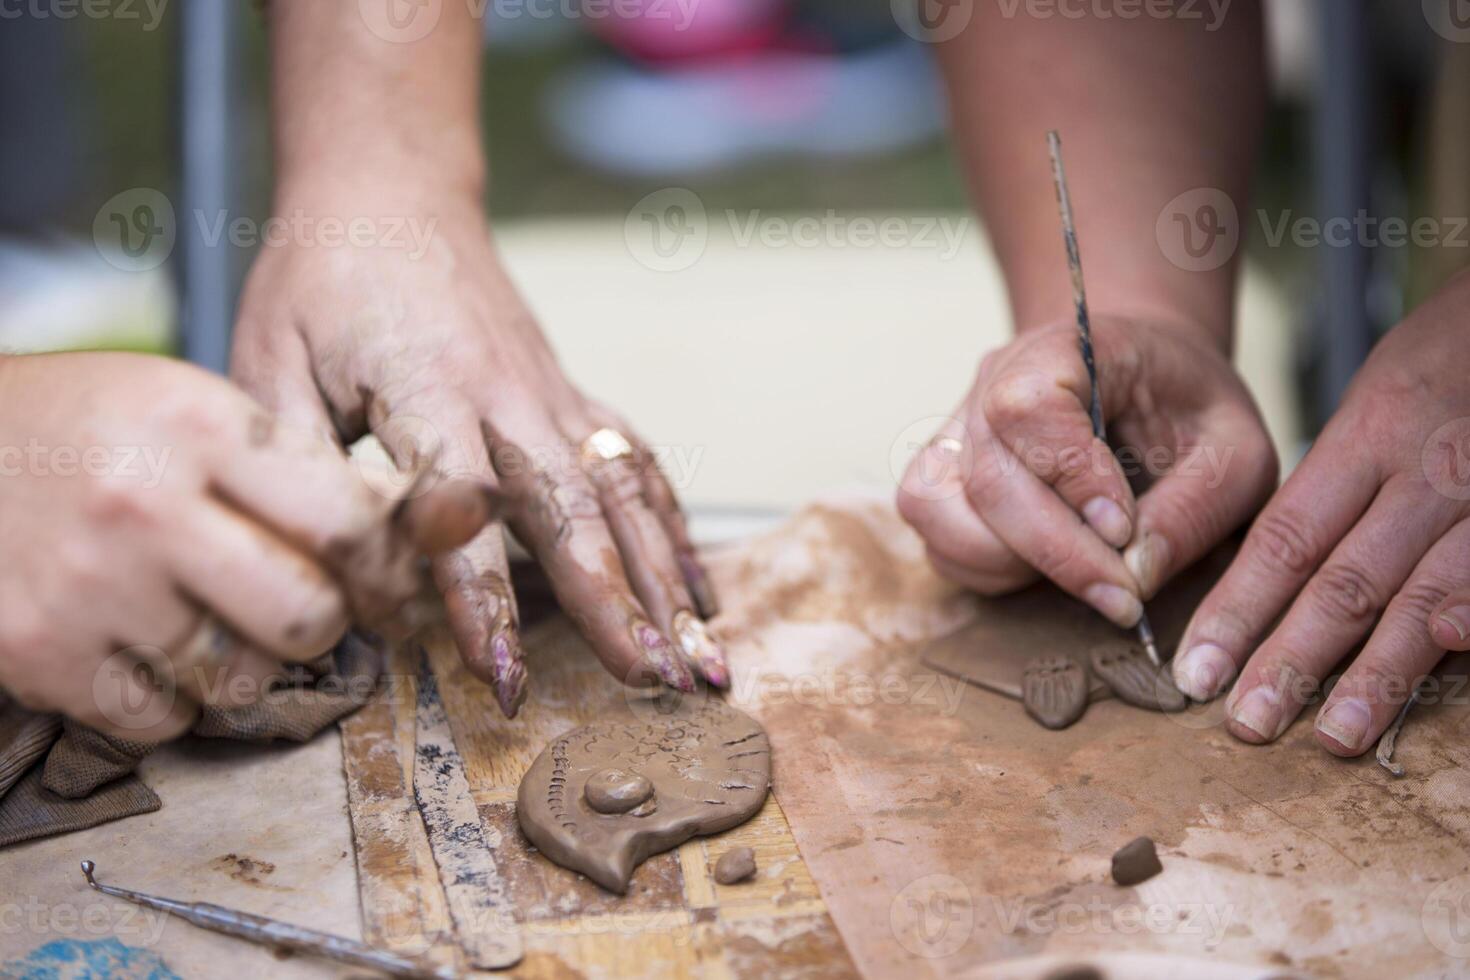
(57, 776)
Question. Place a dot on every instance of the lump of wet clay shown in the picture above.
(1136, 680)
(617, 791)
(602, 799)
(735, 865)
(1136, 861)
(1054, 690)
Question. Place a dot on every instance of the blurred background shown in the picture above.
(775, 271)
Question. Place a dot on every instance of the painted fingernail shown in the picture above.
(1146, 560)
(510, 672)
(1458, 619)
(701, 648)
(700, 586)
(1203, 671)
(1346, 723)
(1115, 602)
(1108, 519)
(1259, 710)
(660, 653)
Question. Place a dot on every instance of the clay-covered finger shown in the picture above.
(268, 592)
(278, 375)
(665, 503)
(1048, 535)
(556, 511)
(448, 515)
(1399, 654)
(1333, 613)
(473, 576)
(1298, 528)
(649, 560)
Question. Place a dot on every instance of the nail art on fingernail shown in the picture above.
(1346, 723)
(1108, 520)
(701, 648)
(1116, 603)
(1203, 670)
(660, 653)
(509, 672)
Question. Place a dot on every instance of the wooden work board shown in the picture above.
(675, 920)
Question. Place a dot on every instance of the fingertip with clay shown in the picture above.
(449, 515)
(508, 671)
(659, 653)
(701, 649)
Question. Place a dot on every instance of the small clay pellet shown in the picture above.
(735, 865)
(1136, 861)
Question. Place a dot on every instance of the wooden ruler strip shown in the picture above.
(479, 901)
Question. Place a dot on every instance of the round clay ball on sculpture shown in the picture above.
(616, 791)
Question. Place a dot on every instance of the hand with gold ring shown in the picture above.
(169, 543)
(441, 355)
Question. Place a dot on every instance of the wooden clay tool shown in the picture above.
(1084, 331)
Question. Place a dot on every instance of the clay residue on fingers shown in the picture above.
(701, 649)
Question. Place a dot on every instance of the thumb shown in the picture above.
(1449, 624)
(1209, 490)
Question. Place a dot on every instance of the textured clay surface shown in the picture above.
(709, 767)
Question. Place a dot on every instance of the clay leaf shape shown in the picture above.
(1137, 681)
(1054, 690)
(708, 766)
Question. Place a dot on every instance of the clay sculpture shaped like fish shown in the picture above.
(603, 798)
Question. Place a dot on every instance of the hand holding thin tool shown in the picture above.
(1084, 334)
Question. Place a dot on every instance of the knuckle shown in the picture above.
(1279, 537)
(1421, 596)
(1057, 556)
(1381, 679)
(621, 484)
(1347, 592)
(1011, 400)
(115, 500)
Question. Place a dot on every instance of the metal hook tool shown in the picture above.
(281, 935)
(1084, 332)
